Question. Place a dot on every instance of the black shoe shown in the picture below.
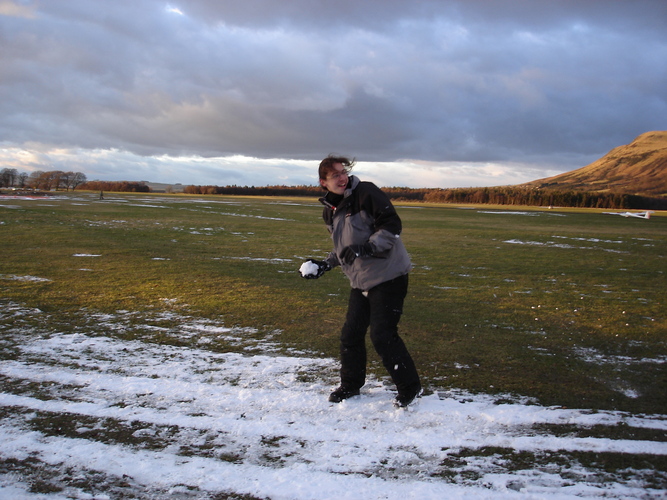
(342, 393)
(405, 398)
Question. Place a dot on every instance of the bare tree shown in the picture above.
(23, 180)
(8, 177)
(34, 179)
(55, 177)
(64, 180)
(78, 178)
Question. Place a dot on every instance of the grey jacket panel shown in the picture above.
(366, 215)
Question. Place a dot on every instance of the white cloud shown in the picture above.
(15, 9)
(246, 171)
(416, 174)
(174, 10)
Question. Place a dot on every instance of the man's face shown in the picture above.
(336, 180)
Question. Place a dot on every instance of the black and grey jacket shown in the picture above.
(365, 214)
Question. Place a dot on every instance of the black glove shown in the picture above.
(322, 267)
(351, 252)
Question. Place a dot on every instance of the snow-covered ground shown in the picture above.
(89, 415)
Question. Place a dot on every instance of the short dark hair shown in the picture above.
(327, 165)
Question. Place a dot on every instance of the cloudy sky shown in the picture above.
(424, 93)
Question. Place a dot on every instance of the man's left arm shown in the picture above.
(387, 223)
(386, 226)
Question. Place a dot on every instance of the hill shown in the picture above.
(637, 168)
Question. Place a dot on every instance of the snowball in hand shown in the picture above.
(308, 268)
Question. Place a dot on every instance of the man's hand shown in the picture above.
(313, 269)
(350, 253)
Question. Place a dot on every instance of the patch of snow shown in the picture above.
(257, 259)
(14, 277)
(552, 244)
(502, 212)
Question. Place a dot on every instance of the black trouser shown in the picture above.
(381, 309)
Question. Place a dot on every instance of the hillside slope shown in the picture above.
(636, 168)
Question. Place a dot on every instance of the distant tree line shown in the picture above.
(405, 194)
(56, 180)
(255, 191)
(42, 181)
(116, 186)
(503, 195)
(544, 197)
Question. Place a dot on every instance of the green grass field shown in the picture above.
(560, 307)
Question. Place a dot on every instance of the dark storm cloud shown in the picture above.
(385, 14)
(540, 82)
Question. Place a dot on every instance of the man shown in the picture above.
(365, 230)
